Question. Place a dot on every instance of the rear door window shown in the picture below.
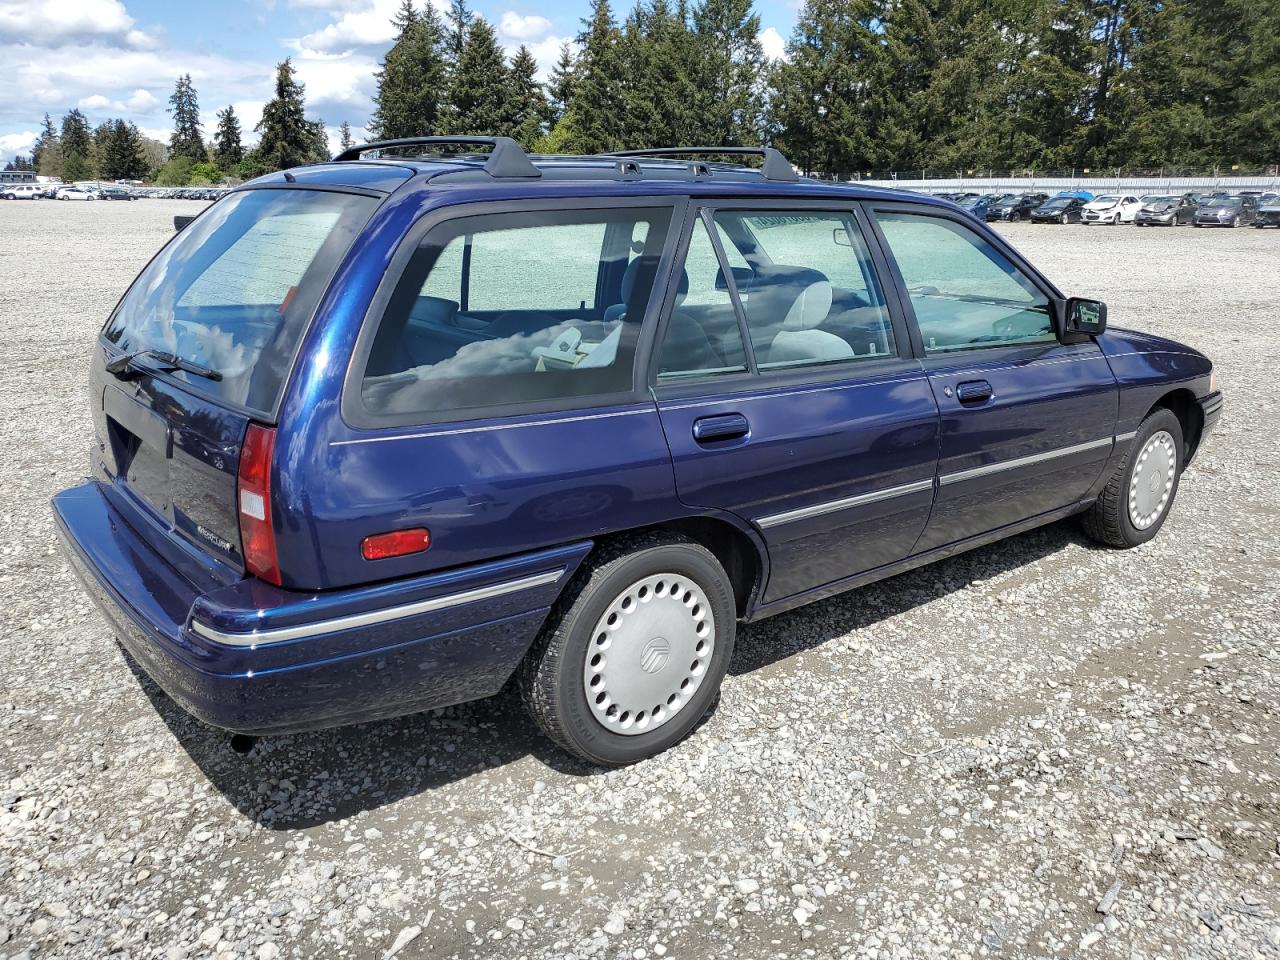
(235, 289)
(809, 290)
(520, 308)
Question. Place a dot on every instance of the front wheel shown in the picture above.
(1015, 217)
(633, 655)
(1064, 219)
(1136, 500)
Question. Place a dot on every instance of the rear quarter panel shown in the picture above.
(484, 488)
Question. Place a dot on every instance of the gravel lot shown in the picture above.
(1037, 749)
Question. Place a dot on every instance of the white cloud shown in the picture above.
(774, 44)
(140, 101)
(523, 29)
(338, 87)
(14, 144)
(370, 26)
(57, 22)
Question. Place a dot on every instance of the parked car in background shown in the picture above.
(984, 203)
(22, 191)
(76, 192)
(112, 192)
(1059, 210)
(560, 464)
(1268, 214)
(1111, 208)
(1015, 206)
(1226, 212)
(1166, 211)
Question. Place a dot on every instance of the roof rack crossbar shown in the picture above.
(775, 167)
(506, 160)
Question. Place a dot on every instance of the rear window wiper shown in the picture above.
(122, 366)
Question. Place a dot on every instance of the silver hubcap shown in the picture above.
(649, 653)
(1152, 480)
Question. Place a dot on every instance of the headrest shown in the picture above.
(810, 308)
(632, 272)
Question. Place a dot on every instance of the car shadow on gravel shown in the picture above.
(304, 780)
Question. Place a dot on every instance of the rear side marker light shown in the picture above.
(397, 543)
(253, 495)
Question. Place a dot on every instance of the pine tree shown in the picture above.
(824, 109)
(659, 59)
(345, 140)
(413, 80)
(560, 87)
(287, 137)
(525, 101)
(118, 147)
(77, 147)
(730, 74)
(186, 141)
(481, 85)
(48, 138)
(227, 148)
(460, 18)
(594, 121)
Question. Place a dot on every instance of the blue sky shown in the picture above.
(119, 58)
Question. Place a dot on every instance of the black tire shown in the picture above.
(551, 676)
(1108, 520)
(1065, 219)
(1015, 217)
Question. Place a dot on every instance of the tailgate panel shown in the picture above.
(179, 455)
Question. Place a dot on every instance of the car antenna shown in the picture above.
(289, 177)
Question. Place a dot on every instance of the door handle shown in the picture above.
(726, 426)
(974, 392)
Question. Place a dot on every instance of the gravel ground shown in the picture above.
(1037, 749)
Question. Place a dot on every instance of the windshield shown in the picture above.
(235, 289)
(1101, 200)
(1223, 202)
(1055, 204)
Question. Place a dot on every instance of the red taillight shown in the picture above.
(253, 499)
(398, 543)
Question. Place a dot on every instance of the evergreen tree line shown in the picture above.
(116, 150)
(670, 73)
(867, 84)
(907, 85)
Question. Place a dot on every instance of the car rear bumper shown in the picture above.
(253, 658)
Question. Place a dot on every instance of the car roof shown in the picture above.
(577, 176)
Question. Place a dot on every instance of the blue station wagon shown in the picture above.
(383, 434)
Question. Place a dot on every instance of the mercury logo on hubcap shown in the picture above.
(655, 655)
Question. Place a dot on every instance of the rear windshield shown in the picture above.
(235, 289)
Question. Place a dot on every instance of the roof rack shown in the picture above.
(506, 160)
(775, 167)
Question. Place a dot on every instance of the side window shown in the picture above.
(514, 308)
(811, 295)
(703, 337)
(966, 294)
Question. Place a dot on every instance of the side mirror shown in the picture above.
(1078, 320)
(181, 221)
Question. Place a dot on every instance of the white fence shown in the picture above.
(1051, 185)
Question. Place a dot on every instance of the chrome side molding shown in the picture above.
(321, 628)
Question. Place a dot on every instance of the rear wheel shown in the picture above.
(634, 653)
(1136, 500)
